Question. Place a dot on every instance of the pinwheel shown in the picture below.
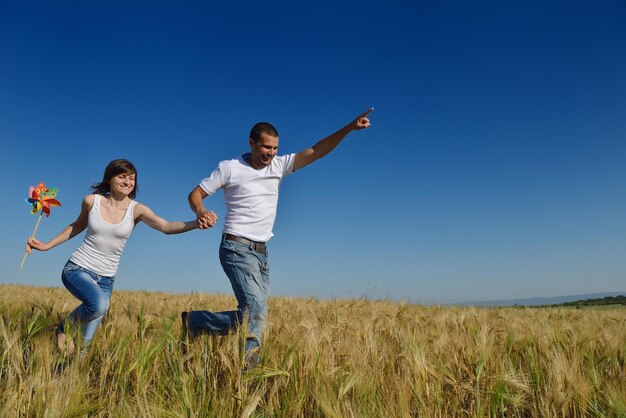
(41, 199)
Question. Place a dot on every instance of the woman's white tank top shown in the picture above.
(104, 242)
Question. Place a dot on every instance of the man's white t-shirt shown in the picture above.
(251, 195)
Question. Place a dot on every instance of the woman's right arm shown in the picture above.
(69, 232)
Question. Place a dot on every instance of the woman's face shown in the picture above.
(123, 184)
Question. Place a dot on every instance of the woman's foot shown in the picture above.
(64, 343)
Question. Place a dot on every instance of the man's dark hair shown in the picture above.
(262, 128)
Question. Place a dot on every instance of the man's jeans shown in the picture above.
(94, 291)
(248, 272)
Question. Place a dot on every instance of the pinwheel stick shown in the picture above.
(33, 234)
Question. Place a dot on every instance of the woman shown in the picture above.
(109, 215)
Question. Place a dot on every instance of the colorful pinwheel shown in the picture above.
(41, 199)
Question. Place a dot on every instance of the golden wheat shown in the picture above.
(337, 358)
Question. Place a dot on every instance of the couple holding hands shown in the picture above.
(250, 182)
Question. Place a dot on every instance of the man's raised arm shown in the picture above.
(326, 145)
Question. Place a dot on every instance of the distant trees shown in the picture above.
(608, 300)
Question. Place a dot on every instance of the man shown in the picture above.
(250, 183)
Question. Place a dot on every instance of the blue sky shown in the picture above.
(494, 167)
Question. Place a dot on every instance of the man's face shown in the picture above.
(263, 151)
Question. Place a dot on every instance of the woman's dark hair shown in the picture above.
(114, 168)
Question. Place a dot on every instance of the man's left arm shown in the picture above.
(326, 145)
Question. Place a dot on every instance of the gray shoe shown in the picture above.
(251, 359)
(84, 352)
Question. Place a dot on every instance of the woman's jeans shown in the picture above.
(249, 275)
(94, 291)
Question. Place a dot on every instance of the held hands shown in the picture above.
(362, 121)
(206, 219)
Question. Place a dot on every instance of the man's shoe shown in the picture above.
(251, 359)
(184, 319)
(187, 335)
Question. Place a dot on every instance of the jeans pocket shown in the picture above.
(234, 248)
(106, 285)
(70, 267)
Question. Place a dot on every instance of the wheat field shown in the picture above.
(336, 358)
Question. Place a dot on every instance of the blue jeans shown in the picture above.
(94, 291)
(249, 275)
